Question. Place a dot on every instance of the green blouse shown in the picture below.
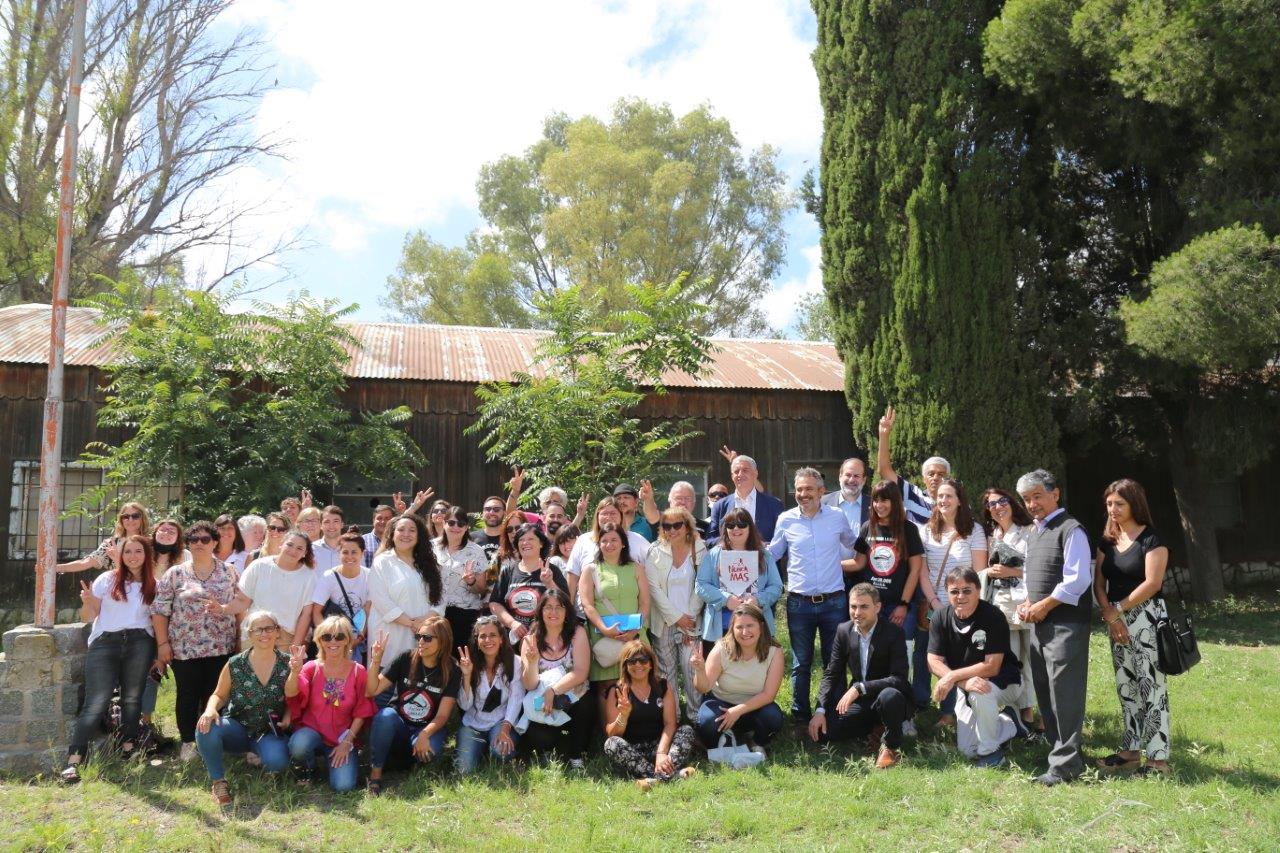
(252, 701)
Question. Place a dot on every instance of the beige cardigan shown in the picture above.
(662, 614)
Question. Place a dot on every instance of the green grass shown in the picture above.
(1224, 794)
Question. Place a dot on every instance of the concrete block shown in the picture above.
(70, 669)
(47, 732)
(11, 733)
(44, 702)
(11, 703)
(27, 642)
(28, 674)
(71, 639)
(31, 762)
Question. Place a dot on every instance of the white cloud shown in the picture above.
(781, 304)
(403, 100)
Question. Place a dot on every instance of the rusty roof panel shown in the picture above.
(457, 353)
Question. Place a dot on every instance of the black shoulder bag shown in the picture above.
(333, 608)
(1176, 643)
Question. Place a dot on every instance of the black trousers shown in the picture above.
(569, 740)
(890, 709)
(195, 680)
(462, 622)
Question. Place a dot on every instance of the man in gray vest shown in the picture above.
(1058, 575)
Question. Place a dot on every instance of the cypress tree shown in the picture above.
(928, 242)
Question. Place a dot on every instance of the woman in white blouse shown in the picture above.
(675, 610)
(952, 539)
(282, 585)
(1008, 526)
(405, 586)
(462, 568)
(491, 698)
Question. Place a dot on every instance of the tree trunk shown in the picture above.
(1190, 487)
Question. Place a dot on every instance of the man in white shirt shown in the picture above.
(326, 547)
(763, 508)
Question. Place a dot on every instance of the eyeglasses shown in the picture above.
(275, 528)
(333, 638)
(639, 661)
(736, 525)
(426, 638)
(130, 516)
(454, 523)
(440, 511)
(512, 531)
(1000, 501)
(715, 496)
(962, 591)
(264, 629)
(493, 509)
(672, 525)
(200, 540)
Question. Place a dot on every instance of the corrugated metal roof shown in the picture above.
(457, 353)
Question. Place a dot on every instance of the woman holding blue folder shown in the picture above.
(615, 598)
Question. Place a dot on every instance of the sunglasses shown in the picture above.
(736, 525)
(441, 511)
(1000, 501)
(672, 525)
(334, 638)
(131, 516)
(201, 540)
(454, 523)
(715, 496)
(638, 661)
(426, 638)
(493, 509)
(275, 528)
(265, 629)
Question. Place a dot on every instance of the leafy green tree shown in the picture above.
(928, 260)
(814, 320)
(645, 196)
(234, 409)
(458, 286)
(1208, 337)
(1165, 127)
(573, 426)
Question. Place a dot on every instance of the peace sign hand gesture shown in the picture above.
(86, 594)
(886, 422)
(465, 666)
(375, 651)
(624, 700)
(297, 657)
(529, 653)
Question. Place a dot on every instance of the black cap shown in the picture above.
(625, 489)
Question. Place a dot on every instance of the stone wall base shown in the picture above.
(41, 685)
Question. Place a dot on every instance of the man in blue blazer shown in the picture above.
(852, 501)
(764, 508)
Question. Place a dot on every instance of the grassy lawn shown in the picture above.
(1225, 793)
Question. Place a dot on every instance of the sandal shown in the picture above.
(1117, 763)
(221, 792)
(70, 774)
(1152, 771)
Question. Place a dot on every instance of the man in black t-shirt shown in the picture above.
(969, 649)
(491, 514)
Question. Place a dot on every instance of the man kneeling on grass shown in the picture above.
(874, 652)
(969, 649)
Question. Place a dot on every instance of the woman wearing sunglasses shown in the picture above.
(1009, 527)
(283, 584)
(737, 533)
(247, 711)
(122, 648)
(193, 615)
(675, 610)
(328, 699)
(491, 697)
(641, 712)
(130, 521)
(278, 524)
(435, 518)
(423, 685)
(462, 568)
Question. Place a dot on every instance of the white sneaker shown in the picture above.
(253, 759)
(188, 753)
(908, 729)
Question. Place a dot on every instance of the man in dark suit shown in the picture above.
(874, 652)
(851, 500)
(763, 508)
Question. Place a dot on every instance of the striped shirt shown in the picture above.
(915, 501)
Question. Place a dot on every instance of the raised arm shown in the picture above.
(884, 464)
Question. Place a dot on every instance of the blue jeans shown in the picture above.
(472, 744)
(116, 658)
(804, 619)
(760, 725)
(303, 746)
(389, 733)
(228, 735)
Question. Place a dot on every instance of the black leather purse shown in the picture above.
(1176, 644)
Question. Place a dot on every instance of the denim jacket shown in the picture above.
(709, 590)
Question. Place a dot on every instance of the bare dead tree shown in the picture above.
(170, 94)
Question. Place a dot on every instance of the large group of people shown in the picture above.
(646, 632)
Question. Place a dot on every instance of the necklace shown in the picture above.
(196, 574)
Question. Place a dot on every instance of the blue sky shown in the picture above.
(390, 111)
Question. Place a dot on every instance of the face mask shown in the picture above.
(166, 549)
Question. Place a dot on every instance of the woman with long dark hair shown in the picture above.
(1127, 583)
(423, 685)
(952, 540)
(1009, 527)
(555, 659)
(462, 567)
(523, 581)
(230, 548)
(738, 532)
(122, 648)
(491, 697)
(405, 586)
(612, 584)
